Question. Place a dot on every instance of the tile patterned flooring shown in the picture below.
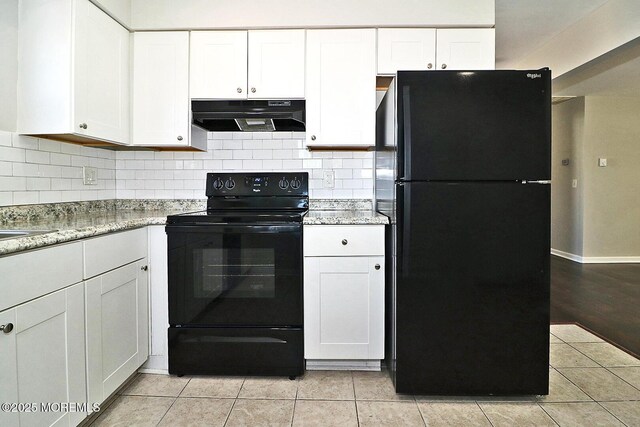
(592, 384)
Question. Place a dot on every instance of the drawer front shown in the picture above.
(32, 274)
(343, 240)
(111, 251)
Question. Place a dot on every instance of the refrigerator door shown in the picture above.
(472, 291)
(474, 125)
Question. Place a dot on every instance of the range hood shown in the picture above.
(249, 116)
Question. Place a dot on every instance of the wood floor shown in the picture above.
(604, 298)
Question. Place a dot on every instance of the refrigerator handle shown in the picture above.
(406, 227)
(406, 133)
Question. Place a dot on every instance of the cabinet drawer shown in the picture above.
(113, 250)
(32, 274)
(343, 240)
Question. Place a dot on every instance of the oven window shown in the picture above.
(234, 273)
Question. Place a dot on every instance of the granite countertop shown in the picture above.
(344, 217)
(65, 222)
(78, 226)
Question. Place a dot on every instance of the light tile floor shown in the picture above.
(592, 383)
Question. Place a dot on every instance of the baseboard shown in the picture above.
(567, 255)
(597, 260)
(343, 365)
(155, 364)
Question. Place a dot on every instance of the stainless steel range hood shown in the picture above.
(249, 116)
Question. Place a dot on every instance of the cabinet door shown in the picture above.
(161, 111)
(344, 307)
(276, 64)
(43, 358)
(341, 88)
(218, 64)
(466, 49)
(117, 328)
(406, 49)
(101, 75)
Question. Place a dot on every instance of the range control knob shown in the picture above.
(295, 183)
(230, 184)
(283, 184)
(218, 184)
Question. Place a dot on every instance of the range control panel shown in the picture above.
(258, 184)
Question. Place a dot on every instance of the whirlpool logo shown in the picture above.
(534, 76)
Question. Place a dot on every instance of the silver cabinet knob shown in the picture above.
(444, 66)
(144, 268)
(179, 138)
(83, 125)
(377, 267)
(344, 241)
(429, 66)
(313, 137)
(253, 90)
(239, 90)
(6, 328)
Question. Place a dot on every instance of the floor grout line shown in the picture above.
(612, 414)
(549, 415)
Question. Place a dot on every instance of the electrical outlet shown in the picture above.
(574, 183)
(89, 175)
(329, 179)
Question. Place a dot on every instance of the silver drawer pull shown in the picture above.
(6, 328)
(344, 241)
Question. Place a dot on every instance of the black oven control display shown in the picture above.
(264, 184)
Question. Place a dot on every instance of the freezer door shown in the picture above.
(474, 125)
(472, 292)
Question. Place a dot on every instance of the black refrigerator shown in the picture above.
(463, 172)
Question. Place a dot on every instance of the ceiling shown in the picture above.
(524, 26)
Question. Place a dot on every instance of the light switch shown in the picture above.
(574, 183)
(89, 175)
(329, 179)
(602, 163)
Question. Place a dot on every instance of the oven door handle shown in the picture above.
(228, 228)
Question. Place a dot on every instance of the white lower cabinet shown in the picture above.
(42, 358)
(117, 325)
(344, 293)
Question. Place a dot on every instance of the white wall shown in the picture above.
(567, 207)
(167, 175)
(188, 14)
(34, 170)
(610, 26)
(8, 63)
(612, 193)
(599, 221)
(120, 10)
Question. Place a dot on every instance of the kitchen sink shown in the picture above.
(10, 234)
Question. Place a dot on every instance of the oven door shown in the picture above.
(235, 275)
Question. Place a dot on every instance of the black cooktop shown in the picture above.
(251, 198)
(237, 217)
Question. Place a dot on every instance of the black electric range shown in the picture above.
(235, 277)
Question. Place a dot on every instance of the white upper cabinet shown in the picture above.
(276, 64)
(218, 64)
(247, 64)
(430, 49)
(341, 88)
(161, 110)
(406, 49)
(466, 49)
(73, 72)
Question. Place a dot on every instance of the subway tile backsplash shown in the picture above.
(166, 175)
(34, 170)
